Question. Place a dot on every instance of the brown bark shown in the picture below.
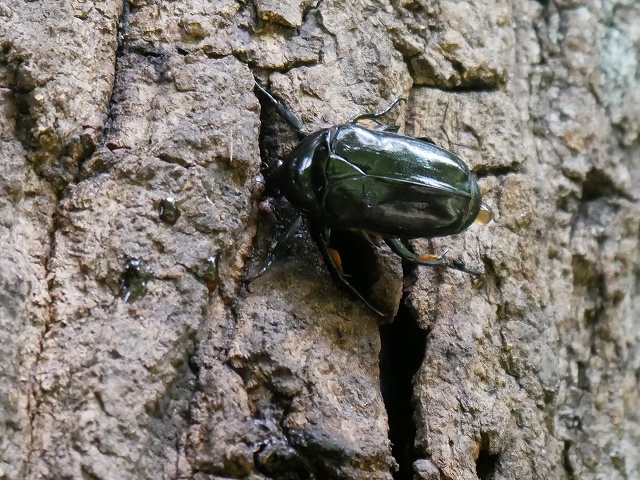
(169, 368)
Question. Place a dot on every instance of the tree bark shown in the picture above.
(131, 348)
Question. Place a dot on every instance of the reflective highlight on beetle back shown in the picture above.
(351, 177)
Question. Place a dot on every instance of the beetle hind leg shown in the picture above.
(428, 260)
(332, 261)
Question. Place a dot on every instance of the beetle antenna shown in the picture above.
(442, 126)
(282, 110)
(445, 132)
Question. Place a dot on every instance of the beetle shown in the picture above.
(373, 181)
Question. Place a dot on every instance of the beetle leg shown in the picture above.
(428, 260)
(319, 234)
(335, 256)
(368, 238)
(282, 110)
(273, 246)
(374, 116)
(387, 128)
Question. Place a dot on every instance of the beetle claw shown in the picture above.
(460, 266)
(443, 254)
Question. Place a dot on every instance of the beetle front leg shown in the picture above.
(321, 236)
(273, 246)
(428, 260)
(376, 115)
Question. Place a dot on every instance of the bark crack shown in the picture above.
(117, 65)
(403, 346)
(58, 185)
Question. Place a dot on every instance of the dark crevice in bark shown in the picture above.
(496, 171)
(33, 404)
(598, 184)
(285, 68)
(566, 460)
(24, 124)
(144, 50)
(117, 65)
(467, 87)
(281, 461)
(403, 345)
(24, 121)
(34, 400)
(486, 465)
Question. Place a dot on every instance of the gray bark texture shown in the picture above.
(130, 348)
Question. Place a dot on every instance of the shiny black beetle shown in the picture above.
(349, 177)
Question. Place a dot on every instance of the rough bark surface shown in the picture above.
(131, 350)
